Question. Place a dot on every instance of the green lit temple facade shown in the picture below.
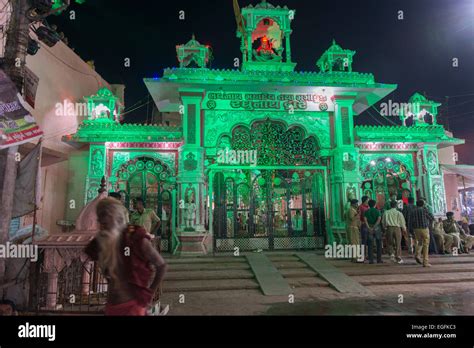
(265, 157)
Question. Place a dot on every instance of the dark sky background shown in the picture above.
(416, 53)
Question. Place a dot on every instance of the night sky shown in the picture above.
(416, 53)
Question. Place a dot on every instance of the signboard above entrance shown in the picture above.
(268, 101)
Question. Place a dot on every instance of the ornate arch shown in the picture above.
(160, 169)
(384, 176)
(276, 143)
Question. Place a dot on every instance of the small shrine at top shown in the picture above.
(103, 106)
(336, 59)
(265, 34)
(193, 54)
(265, 31)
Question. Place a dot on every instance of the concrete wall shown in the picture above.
(54, 188)
(63, 75)
(77, 173)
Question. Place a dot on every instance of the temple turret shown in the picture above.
(103, 106)
(193, 54)
(265, 32)
(419, 111)
(336, 59)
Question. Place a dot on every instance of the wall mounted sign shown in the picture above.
(17, 125)
(267, 101)
(164, 145)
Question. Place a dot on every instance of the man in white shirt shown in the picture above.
(394, 223)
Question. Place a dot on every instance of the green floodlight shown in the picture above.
(60, 5)
(40, 9)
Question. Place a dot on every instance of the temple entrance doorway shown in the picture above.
(149, 178)
(268, 208)
(385, 178)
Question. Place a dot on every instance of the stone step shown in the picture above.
(210, 274)
(183, 286)
(404, 269)
(434, 260)
(205, 259)
(282, 258)
(297, 272)
(424, 278)
(207, 266)
(307, 282)
(289, 264)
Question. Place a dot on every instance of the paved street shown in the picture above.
(226, 285)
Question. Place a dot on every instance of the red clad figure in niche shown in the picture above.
(266, 52)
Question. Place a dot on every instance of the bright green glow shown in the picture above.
(336, 59)
(60, 3)
(91, 131)
(191, 52)
(230, 77)
(103, 105)
(398, 134)
(323, 135)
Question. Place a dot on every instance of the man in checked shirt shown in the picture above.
(420, 220)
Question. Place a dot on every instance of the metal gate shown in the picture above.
(269, 209)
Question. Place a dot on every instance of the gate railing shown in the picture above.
(64, 279)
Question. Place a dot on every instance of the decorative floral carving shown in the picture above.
(97, 162)
(432, 163)
(219, 123)
(275, 143)
(438, 199)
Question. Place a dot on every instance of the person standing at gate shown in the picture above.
(148, 219)
(363, 228)
(420, 219)
(409, 235)
(394, 223)
(372, 220)
(353, 225)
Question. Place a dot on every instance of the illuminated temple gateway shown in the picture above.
(263, 157)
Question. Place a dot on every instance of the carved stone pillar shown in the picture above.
(345, 169)
(191, 179)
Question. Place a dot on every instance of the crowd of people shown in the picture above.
(128, 257)
(413, 226)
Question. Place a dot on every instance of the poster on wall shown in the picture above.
(31, 85)
(316, 102)
(17, 126)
